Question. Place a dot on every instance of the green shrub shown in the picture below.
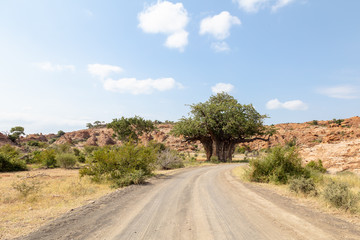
(291, 143)
(169, 159)
(66, 160)
(26, 187)
(46, 158)
(314, 122)
(159, 147)
(278, 166)
(303, 185)
(33, 143)
(339, 195)
(337, 121)
(241, 149)
(128, 164)
(316, 166)
(10, 159)
(214, 159)
(9, 164)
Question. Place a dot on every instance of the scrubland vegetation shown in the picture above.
(282, 166)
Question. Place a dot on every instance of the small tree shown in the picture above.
(130, 129)
(15, 133)
(220, 123)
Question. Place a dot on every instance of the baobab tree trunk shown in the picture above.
(207, 144)
(223, 150)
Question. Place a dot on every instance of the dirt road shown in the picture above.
(200, 203)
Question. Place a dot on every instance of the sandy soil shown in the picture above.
(200, 203)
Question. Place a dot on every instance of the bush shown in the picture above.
(128, 164)
(169, 159)
(303, 185)
(316, 166)
(339, 195)
(214, 159)
(33, 143)
(66, 160)
(46, 158)
(9, 159)
(25, 188)
(278, 166)
(8, 164)
(241, 149)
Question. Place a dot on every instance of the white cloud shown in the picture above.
(48, 66)
(289, 105)
(103, 70)
(166, 18)
(220, 46)
(177, 40)
(255, 5)
(222, 87)
(134, 86)
(342, 92)
(251, 5)
(280, 4)
(219, 25)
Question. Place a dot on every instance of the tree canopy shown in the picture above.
(15, 133)
(220, 123)
(130, 129)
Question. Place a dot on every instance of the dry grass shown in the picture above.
(317, 202)
(56, 191)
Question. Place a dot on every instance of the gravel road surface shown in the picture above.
(199, 203)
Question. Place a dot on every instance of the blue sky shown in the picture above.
(64, 63)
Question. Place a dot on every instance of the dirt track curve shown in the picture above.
(201, 203)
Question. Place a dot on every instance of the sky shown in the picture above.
(65, 63)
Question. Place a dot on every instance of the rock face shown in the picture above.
(34, 137)
(336, 157)
(337, 145)
(4, 140)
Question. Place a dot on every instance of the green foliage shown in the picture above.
(130, 129)
(128, 164)
(314, 122)
(90, 149)
(27, 187)
(337, 121)
(9, 159)
(223, 121)
(63, 148)
(303, 185)
(16, 132)
(159, 147)
(339, 195)
(169, 159)
(96, 124)
(291, 143)
(33, 143)
(60, 133)
(66, 160)
(241, 149)
(46, 158)
(214, 159)
(278, 166)
(316, 166)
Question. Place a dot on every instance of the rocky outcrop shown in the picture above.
(34, 137)
(5, 140)
(337, 143)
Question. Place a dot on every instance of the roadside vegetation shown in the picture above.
(282, 166)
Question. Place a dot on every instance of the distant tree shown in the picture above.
(220, 124)
(60, 133)
(15, 133)
(130, 129)
(89, 125)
